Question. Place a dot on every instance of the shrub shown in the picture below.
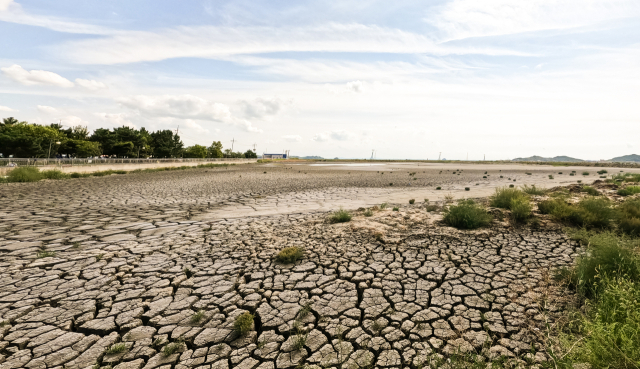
(383, 205)
(585, 173)
(395, 208)
(368, 213)
(79, 175)
(171, 349)
(629, 217)
(438, 188)
(550, 176)
(520, 209)
(590, 190)
(593, 212)
(504, 196)
(290, 255)
(54, 174)
(467, 189)
(431, 208)
(628, 191)
(243, 323)
(340, 216)
(511, 186)
(412, 201)
(467, 215)
(24, 174)
(187, 272)
(533, 190)
(608, 256)
(613, 324)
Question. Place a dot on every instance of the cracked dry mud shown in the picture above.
(387, 291)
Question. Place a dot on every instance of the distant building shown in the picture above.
(274, 156)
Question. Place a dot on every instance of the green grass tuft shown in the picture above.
(520, 209)
(340, 216)
(197, 317)
(289, 255)
(467, 215)
(54, 174)
(368, 213)
(187, 272)
(171, 349)
(629, 217)
(533, 190)
(629, 191)
(46, 254)
(243, 323)
(590, 190)
(412, 201)
(116, 349)
(503, 197)
(24, 174)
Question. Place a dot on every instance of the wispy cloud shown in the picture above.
(35, 77)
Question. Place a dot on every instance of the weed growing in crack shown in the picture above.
(340, 216)
(197, 317)
(368, 213)
(243, 323)
(116, 349)
(383, 205)
(46, 254)
(171, 349)
(187, 272)
(289, 255)
(467, 214)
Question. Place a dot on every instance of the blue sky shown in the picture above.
(409, 79)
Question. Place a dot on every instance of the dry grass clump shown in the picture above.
(290, 255)
(515, 200)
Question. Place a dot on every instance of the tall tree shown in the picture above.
(215, 150)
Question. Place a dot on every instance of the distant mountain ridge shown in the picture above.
(626, 158)
(555, 158)
(632, 157)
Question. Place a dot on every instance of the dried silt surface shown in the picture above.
(93, 278)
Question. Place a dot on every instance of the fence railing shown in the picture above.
(42, 162)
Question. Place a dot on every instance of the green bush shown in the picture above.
(467, 215)
(613, 326)
(520, 209)
(585, 173)
(24, 174)
(593, 212)
(79, 175)
(243, 323)
(116, 349)
(533, 190)
(340, 216)
(54, 174)
(629, 217)
(289, 255)
(590, 190)
(412, 201)
(628, 191)
(368, 213)
(504, 196)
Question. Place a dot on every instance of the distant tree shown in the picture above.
(124, 149)
(166, 144)
(80, 148)
(215, 150)
(9, 121)
(105, 138)
(195, 151)
(26, 140)
(250, 155)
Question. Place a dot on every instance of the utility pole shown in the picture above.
(254, 147)
(485, 157)
(371, 154)
(233, 140)
(439, 155)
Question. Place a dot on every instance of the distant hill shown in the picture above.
(632, 157)
(312, 157)
(555, 158)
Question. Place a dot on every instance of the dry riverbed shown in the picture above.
(144, 270)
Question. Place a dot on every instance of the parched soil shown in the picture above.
(137, 259)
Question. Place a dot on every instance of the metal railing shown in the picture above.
(42, 162)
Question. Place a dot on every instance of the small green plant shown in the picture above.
(368, 213)
(197, 317)
(54, 174)
(99, 257)
(520, 209)
(511, 186)
(579, 181)
(243, 323)
(629, 217)
(412, 201)
(590, 190)
(533, 190)
(76, 245)
(431, 208)
(24, 174)
(395, 208)
(467, 214)
(187, 272)
(116, 349)
(426, 200)
(299, 341)
(502, 198)
(171, 349)
(550, 176)
(629, 191)
(376, 327)
(391, 184)
(340, 216)
(289, 255)
(46, 254)
(467, 189)
(438, 188)
(383, 205)
(585, 173)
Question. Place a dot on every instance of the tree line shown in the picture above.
(29, 140)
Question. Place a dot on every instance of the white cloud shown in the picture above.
(6, 108)
(35, 77)
(349, 87)
(223, 42)
(261, 108)
(49, 110)
(354, 86)
(292, 138)
(184, 107)
(321, 137)
(4, 4)
(459, 19)
(90, 84)
(342, 135)
(116, 120)
(337, 135)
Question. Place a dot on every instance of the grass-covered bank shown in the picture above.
(33, 174)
